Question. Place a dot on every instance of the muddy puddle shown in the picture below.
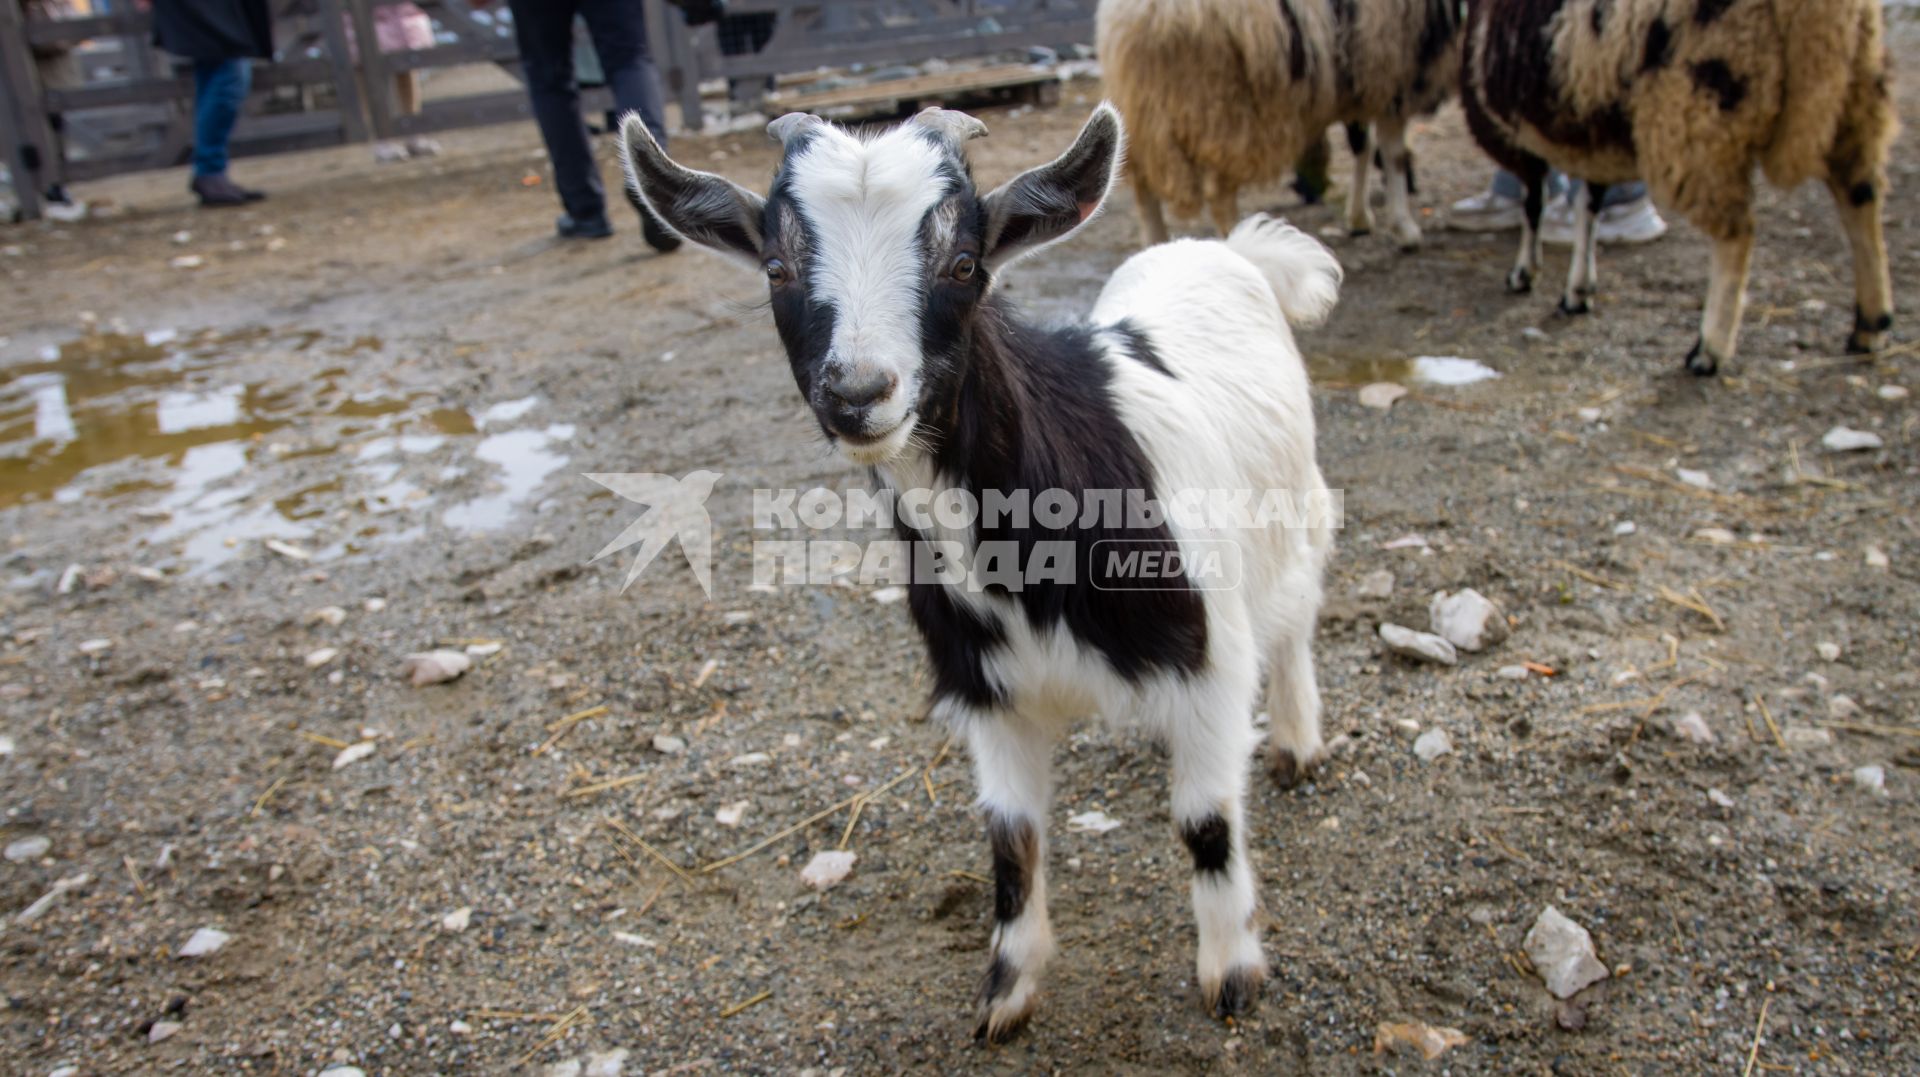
(1430, 371)
(214, 443)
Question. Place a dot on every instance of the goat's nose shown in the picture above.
(862, 387)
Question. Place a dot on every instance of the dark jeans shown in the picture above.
(219, 89)
(544, 29)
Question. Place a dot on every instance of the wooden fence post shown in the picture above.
(30, 145)
(346, 86)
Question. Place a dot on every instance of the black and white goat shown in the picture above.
(882, 256)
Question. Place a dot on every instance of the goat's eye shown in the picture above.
(777, 273)
(964, 267)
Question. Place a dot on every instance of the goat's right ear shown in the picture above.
(711, 210)
(1044, 204)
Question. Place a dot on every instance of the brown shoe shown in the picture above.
(217, 190)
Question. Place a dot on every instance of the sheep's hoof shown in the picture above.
(1520, 281)
(1700, 361)
(1356, 231)
(1005, 1003)
(1290, 768)
(1862, 343)
(1407, 237)
(1237, 993)
(1580, 305)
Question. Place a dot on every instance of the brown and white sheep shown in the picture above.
(1223, 94)
(1690, 95)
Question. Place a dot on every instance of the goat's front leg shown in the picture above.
(1583, 271)
(1211, 753)
(1012, 764)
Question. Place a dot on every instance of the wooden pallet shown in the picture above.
(1024, 82)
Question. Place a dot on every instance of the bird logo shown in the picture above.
(676, 509)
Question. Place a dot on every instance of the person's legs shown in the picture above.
(619, 32)
(219, 89)
(544, 31)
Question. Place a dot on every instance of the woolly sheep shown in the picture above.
(1223, 94)
(1690, 95)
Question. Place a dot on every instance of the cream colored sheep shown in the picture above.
(1691, 96)
(1222, 94)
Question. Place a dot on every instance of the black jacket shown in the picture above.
(214, 29)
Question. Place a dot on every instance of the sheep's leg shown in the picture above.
(1583, 270)
(1011, 763)
(1153, 222)
(1209, 790)
(1293, 707)
(1726, 298)
(1859, 206)
(1527, 264)
(1396, 167)
(1225, 206)
(1359, 208)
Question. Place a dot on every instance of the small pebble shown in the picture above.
(1432, 744)
(1845, 439)
(1720, 798)
(1871, 779)
(205, 941)
(1692, 727)
(828, 867)
(26, 849)
(161, 1031)
(457, 920)
(668, 744)
(1829, 652)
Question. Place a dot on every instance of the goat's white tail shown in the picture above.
(1304, 274)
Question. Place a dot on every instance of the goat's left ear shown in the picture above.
(711, 210)
(1044, 204)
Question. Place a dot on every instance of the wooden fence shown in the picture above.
(120, 105)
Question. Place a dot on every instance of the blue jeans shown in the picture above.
(1507, 185)
(219, 89)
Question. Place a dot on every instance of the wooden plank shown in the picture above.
(346, 86)
(59, 31)
(180, 88)
(480, 109)
(373, 68)
(30, 147)
(939, 86)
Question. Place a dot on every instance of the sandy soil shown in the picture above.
(401, 372)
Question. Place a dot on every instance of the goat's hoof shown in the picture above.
(1520, 282)
(1357, 232)
(1580, 305)
(1005, 1003)
(1290, 768)
(1237, 993)
(1408, 238)
(1700, 361)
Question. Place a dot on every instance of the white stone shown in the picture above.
(668, 744)
(1562, 952)
(1625, 528)
(1718, 536)
(1871, 779)
(25, 849)
(750, 759)
(606, 1064)
(1893, 392)
(353, 753)
(1424, 646)
(162, 1030)
(374, 605)
(459, 1028)
(96, 646)
(326, 615)
(1720, 798)
(1590, 415)
(457, 920)
(1381, 394)
(732, 814)
(1841, 707)
(1843, 439)
(1375, 584)
(1806, 736)
(828, 868)
(343, 1071)
(1432, 744)
(1692, 727)
(1092, 822)
(1513, 673)
(1829, 652)
(321, 657)
(1697, 479)
(205, 941)
(1876, 557)
(628, 938)
(435, 667)
(1467, 619)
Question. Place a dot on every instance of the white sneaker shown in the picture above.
(1485, 212)
(1627, 223)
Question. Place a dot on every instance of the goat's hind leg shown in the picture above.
(1012, 765)
(1359, 209)
(1210, 750)
(1396, 169)
(1295, 749)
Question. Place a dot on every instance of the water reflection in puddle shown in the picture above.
(1431, 370)
(229, 439)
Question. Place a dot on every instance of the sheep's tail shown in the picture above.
(1303, 273)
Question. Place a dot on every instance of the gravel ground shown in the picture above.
(398, 372)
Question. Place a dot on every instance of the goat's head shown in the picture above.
(878, 250)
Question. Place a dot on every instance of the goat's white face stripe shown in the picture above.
(864, 201)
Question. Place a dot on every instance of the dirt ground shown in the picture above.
(399, 372)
